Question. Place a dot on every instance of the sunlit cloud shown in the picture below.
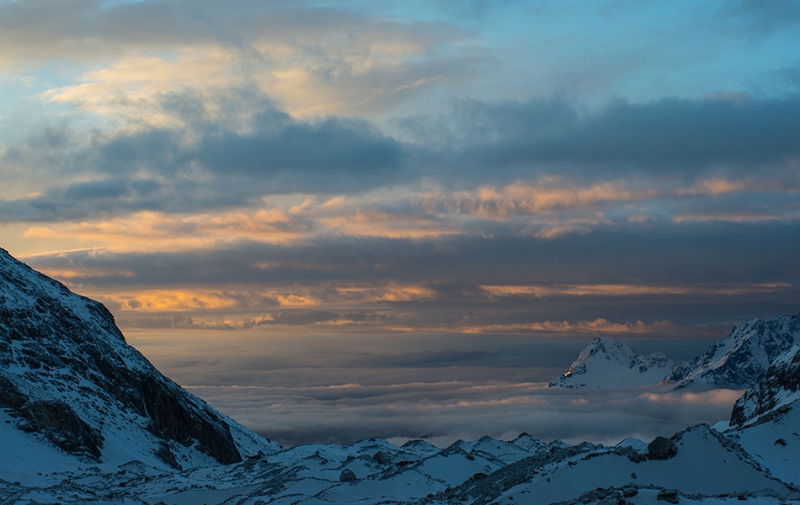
(546, 195)
(596, 327)
(247, 300)
(718, 187)
(144, 231)
(544, 291)
(290, 54)
(736, 217)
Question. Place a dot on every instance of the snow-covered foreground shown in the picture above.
(709, 467)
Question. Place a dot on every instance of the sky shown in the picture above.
(345, 219)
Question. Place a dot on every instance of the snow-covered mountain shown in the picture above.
(72, 389)
(737, 362)
(85, 419)
(608, 364)
(774, 394)
(741, 359)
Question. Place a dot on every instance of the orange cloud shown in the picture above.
(147, 231)
(171, 300)
(597, 326)
(715, 187)
(550, 290)
(545, 196)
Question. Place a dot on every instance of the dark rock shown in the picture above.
(59, 423)
(662, 448)
(668, 496)
(10, 396)
(762, 402)
(382, 458)
(741, 367)
(781, 442)
(347, 475)
(164, 453)
(172, 419)
(59, 337)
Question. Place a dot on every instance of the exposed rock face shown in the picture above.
(347, 475)
(662, 448)
(608, 364)
(67, 373)
(774, 395)
(742, 359)
(62, 426)
(382, 458)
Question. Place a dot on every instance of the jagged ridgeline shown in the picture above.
(739, 361)
(68, 376)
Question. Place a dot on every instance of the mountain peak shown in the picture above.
(741, 359)
(69, 379)
(608, 364)
(772, 396)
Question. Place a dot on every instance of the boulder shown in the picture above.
(662, 448)
(382, 458)
(347, 475)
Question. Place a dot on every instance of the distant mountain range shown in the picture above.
(737, 362)
(86, 419)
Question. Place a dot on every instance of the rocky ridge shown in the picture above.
(773, 395)
(608, 364)
(67, 375)
(741, 359)
(736, 362)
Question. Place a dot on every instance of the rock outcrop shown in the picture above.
(773, 395)
(68, 376)
(741, 359)
(608, 364)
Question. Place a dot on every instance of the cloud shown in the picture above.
(542, 168)
(299, 386)
(292, 51)
(663, 138)
(544, 291)
(445, 412)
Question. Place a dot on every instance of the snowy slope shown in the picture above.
(774, 394)
(706, 463)
(741, 359)
(71, 387)
(608, 364)
(766, 419)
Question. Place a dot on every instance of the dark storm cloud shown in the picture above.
(727, 263)
(154, 169)
(209, 165)
(334, 155)
(277, 153)
(656, 139)
(306, 317)
(752, 252)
